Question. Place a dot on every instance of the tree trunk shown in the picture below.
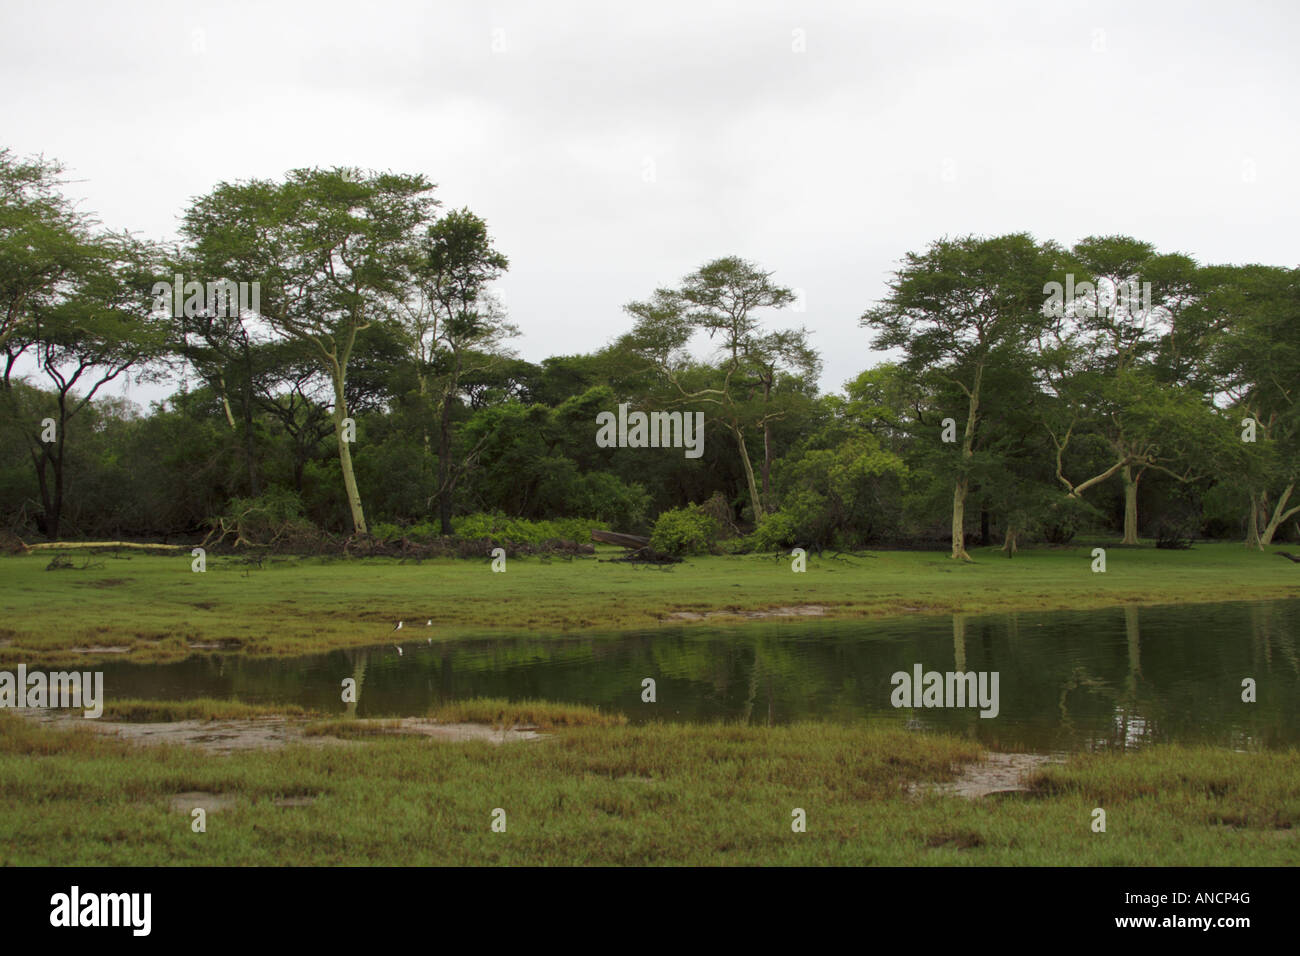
(1252, 524)
(1130, 505)
(345, 459)
(959, 520)
(225, 405)
(424, 420)
(767, 438)
(140, 546)
(755, 501)
(39, 460)
(962, 485)
(52, 486)
(984, 525)
(1280, 514)
(56, 518)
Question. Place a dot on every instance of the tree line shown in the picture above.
(1031, 391)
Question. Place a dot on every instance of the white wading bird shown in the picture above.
(399, 626)
(399, 649)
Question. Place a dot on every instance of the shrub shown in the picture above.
(776, 530)
(685, 531)
(384, 531)
(1063, 518)
(271, 518)
(502, 529)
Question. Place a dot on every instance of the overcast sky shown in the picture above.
(613, 148)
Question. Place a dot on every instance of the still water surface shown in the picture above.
(1068, 681)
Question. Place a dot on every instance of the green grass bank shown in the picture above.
(155, 608)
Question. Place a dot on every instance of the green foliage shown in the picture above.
(1068, 406)
(506, 530)
(267, 517)
(688, 530)
(780, 529)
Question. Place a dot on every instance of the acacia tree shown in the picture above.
(44, 242)
(1114, 363)
(959, 308)
(454, 325)
(1255, 351)
(97, 327)
(220, 341)
(720, 299)
(328, 249)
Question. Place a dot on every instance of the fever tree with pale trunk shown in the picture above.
(1118, 372)
(328, 247)
(743, 384)
(960, 308)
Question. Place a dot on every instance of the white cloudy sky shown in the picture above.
(613, 147)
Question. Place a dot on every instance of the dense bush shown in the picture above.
(686, 530)
(263, 520)
(500, 528)
(776, 530)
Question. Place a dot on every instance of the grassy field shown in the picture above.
(596, 791)
(657, 794)
(156, 607)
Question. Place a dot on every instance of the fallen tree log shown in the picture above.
(620, 539)
(60, 545)
(638, 548)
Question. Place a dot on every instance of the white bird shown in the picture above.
(399, 626)
(399, 650)
(429, 623)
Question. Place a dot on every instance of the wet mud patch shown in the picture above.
(193, 800)
(997, 775)
(273, 733)
(212, 736)
(428, 727)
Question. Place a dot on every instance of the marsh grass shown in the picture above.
(649, 794)
(352, 729)
(541, 714)
(135, 710)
